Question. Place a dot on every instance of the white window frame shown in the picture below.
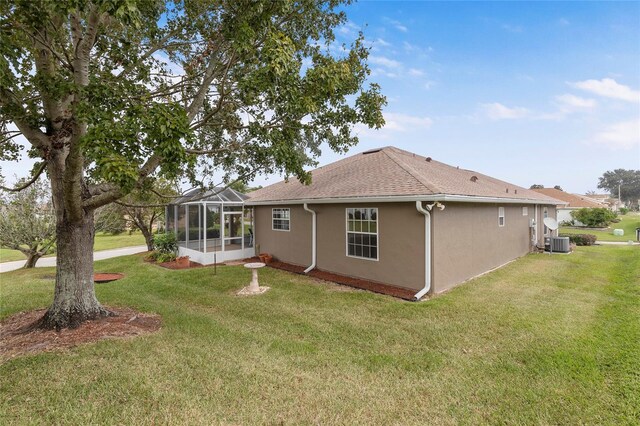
(545, 214)
(501, 215)
(288, 219)
(525, 211)
(347, 232)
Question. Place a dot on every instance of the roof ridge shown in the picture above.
(409, 169)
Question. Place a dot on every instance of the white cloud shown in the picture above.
(403, 122)
(575, 102)
(384, 72)
(512, 28)
(394, 123)
(397, 25)
(382, 42)
(563, 22)
(609, 88)
(415, 72)
(497, 111)
(349, 29)
(385, 62)
(623, 135)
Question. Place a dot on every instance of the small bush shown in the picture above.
(166, 243)
(165, 257)
(598, 217)
(624, 210)
(581, 239)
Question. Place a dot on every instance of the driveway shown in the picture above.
(97, 255)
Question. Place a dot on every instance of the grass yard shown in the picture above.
(544, 340)
(628, 222)
(102, 242)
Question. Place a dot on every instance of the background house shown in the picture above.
(574, 202)
(606, 200)
(391, 217)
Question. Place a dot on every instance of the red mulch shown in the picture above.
(105, 277)
(19, 337)
(176, 265)
(376, 287)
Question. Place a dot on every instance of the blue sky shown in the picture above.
(538, 92)
(541, 92)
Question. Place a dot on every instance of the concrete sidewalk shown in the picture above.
(617, 243)
(97, 255)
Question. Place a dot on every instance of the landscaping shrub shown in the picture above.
(624, 210)
(598, 217)
(581, 239)
(164, 257)
(166, 243)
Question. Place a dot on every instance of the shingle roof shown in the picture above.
(574, 200)
(389, 172)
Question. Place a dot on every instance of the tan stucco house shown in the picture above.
(398, 219)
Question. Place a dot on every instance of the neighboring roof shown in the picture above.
(574, 200)
(216, 194)
(393, 173)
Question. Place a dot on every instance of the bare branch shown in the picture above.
(29, 183)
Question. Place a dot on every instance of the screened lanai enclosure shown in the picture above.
(212, 226)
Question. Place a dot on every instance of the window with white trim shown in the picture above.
(545, 214)
(362, 233)
(280, 219)
(525, 211)
(500, 216)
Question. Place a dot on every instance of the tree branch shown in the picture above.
(29, 183)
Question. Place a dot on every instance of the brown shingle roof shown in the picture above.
(574, 200)
(389, 172)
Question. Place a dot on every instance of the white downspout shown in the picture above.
(313, 238)
(427, 249)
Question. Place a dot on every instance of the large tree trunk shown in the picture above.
(32, 258)
(74, 299)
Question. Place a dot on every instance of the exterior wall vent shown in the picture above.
(474, 178)
(507, 190)
(428, 159)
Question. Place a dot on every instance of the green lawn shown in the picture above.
(102, 242)
(628, 222)
(544, 340)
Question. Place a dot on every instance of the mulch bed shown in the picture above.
(176, 265)
(348, 281)
(104, 277)
(19, 337)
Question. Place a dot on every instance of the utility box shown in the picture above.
(618, 232)
(637, 234)
(560, 244)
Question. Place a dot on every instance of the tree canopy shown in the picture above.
(235, 86)
(629, 181)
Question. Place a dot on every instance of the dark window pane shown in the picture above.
(352, 238)
(365, 251)
(374, 253)
(352, 250)
(373, 240)
(358, 250)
